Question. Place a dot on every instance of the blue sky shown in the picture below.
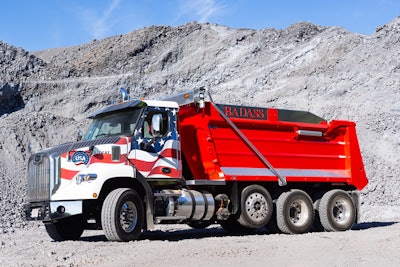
(41, 24)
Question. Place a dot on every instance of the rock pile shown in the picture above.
(45, 95)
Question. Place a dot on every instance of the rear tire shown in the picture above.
(317, 226)
(272, 224)
(294, 212)
(231, 225)
(200, 224)
(337, 211)
(122, 215)
(256, 207)
(70, 228)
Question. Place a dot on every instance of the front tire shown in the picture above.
(294, 212)
(70, 228)
(122, 215)
(337, 211)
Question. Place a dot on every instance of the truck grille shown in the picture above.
(39, 177)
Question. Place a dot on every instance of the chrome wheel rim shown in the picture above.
(256, 207)
(298, 212)
(341, 210)
(128, 216)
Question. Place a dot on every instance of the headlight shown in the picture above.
(85, 177)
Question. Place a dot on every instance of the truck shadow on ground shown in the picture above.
(368, 225)
(215, 231)
(176, 235)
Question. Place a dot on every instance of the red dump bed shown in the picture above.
(299, 145)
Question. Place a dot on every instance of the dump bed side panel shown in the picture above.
(300, 151)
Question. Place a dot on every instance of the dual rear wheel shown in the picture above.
(337, 211)
(294, 213)
(256, 209)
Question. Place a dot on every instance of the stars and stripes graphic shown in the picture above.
(69, 167)
(161, 157)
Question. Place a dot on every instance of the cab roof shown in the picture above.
(132, 104)
(116, 107)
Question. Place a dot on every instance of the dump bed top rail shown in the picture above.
(198, 96)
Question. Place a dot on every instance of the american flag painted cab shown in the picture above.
(186, 159)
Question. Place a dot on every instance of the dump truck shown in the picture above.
(186, 159)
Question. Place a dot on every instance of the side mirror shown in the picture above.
(156, 124)
(79, 135)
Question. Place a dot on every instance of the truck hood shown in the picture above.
(64, 148)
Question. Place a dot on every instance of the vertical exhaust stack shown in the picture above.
(124, 94)
(201, 96)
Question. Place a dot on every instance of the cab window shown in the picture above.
(148, 131)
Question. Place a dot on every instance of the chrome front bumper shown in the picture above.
(47, 211)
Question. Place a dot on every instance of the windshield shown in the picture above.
(115, 124)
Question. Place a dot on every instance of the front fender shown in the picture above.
(90, 189)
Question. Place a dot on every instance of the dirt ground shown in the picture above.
(367, 244)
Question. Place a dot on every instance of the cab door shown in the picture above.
(156, 144)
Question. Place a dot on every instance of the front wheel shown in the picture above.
(65, 229)
(294, 212)
(122, 215)
(337, 211)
